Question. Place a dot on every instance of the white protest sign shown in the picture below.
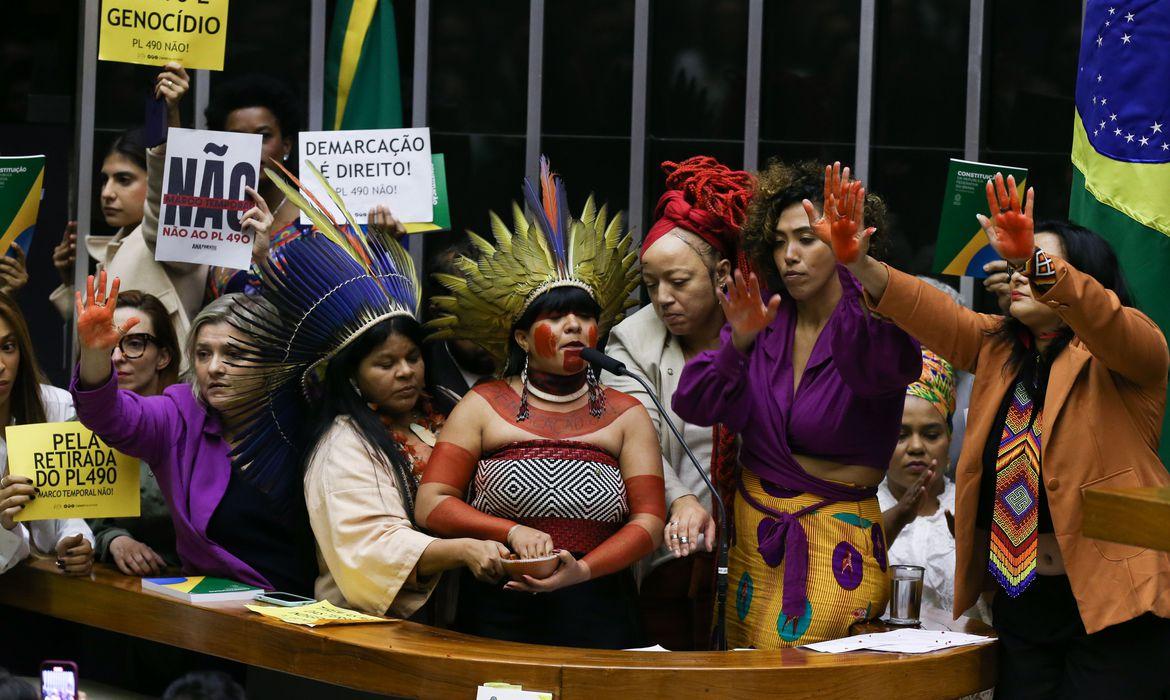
(369, 167)
(203, 197)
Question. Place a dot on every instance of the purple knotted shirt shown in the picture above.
(847, 409)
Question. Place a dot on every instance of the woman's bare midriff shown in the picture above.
(854, 474)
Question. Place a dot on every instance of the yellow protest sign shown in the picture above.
(153, 32)
(320, 613)
(78, 475)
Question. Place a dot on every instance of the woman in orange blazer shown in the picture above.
(1069, 392)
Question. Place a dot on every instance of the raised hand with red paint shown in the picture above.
(1010, 229)
(745, 309)
(95, 316)
(841, 225)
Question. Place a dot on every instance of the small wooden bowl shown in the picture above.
(540, 567)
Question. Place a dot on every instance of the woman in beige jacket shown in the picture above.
(131, 192)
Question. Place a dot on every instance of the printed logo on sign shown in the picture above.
(204, 197)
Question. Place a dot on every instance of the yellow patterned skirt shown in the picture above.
(846, 578)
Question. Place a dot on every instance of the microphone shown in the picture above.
(613, 366)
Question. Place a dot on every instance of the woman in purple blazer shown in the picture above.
(225, 526)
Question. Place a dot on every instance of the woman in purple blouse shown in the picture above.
(814, 386)
(224, 525)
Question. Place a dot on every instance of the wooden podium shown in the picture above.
(1136, 516)
(412, 660)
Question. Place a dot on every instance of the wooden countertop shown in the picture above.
(1136, 516)
(413, 660)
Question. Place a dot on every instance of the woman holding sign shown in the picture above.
(1069, 396)
(24, 400)
(225, 525)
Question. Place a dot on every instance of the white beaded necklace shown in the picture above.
(556, 398)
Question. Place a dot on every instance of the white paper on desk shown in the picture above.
(656, 647)
(904, 641)
(837, 646)
(512, 692)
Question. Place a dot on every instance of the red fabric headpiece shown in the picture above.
(706, 198)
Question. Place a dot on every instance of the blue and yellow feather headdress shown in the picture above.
(321, 291)
(552, 249)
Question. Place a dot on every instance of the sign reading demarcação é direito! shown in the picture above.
(204, 198)
(78, 475)
(154, 32)
(371, 167)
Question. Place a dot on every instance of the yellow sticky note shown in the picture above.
(153, 32)
(78, 475)
(320, 613)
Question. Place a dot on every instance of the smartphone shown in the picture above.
(287, 600)
(59, 680)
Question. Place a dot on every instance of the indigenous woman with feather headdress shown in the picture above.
(549, 459)
(340, 386)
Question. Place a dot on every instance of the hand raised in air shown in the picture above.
(842, 223)
(95, 316)
(1010, 229)
(745, 310)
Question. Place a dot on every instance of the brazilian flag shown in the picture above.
(1121, 147)
(362, 88)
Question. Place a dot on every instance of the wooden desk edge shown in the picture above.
(412, 659)
(1133, 516)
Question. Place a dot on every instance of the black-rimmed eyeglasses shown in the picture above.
(133, 345)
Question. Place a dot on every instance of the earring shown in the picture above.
(522, 414)
(596, 394)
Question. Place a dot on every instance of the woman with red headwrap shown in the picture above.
(686, 256)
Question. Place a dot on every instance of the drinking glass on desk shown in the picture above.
(906, 594)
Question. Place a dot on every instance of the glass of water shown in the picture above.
(906, 594)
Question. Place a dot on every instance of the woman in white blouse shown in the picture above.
(919, 517)
(23, 400)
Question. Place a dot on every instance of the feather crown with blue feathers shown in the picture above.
(550, 249)
(321, 291)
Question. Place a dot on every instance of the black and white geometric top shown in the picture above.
(569, 489)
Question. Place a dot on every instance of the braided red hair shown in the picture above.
(705, 197)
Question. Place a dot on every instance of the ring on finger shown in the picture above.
(674, 537)
(684, 539)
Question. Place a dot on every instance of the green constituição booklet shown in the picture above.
(962, 247)
(21, 182)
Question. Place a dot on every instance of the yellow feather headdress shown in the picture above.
(552, 249)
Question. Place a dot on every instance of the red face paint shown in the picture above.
(573, 362)
(545, 341)
(593, 337)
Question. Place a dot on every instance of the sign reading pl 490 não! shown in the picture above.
(204, 198)
(371, 167)
(77, 475)
(153, 32)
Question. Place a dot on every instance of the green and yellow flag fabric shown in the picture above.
(362, 87)
(1121, 146)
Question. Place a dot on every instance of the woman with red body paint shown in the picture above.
(561, 464)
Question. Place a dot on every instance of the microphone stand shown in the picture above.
(719, 639)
